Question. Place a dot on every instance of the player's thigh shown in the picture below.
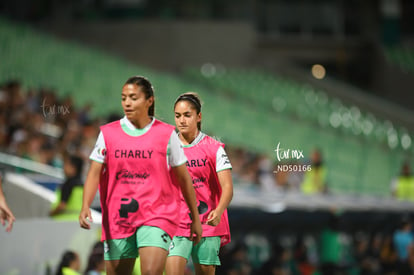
(175, 265)
(153, 260)
(153, 244)
(119, 267)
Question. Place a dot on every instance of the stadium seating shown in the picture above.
(249, 108)
(358, 147)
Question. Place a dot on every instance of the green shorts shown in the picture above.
(127, 248)
(206, 252)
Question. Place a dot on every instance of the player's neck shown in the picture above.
(187, 139)
(140, 123)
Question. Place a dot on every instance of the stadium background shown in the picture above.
(252, 62)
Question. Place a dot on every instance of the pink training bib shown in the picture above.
(135, 185)
(201, 165)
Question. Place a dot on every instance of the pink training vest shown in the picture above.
(202, 167)
(135, 184)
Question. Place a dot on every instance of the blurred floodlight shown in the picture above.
(392, 138)
(347, 119)
(335, 119)
(208, 70)
(318, 71)
(367, 127)
(405, 141)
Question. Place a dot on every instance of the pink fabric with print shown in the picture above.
(201, 163)
(135, 185)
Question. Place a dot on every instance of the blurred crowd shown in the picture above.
(260, 170)
(38, 125)
(330, 251)
(70, 262)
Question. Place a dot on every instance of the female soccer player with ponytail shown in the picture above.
(210, 170)
(132, 164)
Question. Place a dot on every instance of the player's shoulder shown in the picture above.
(162, 124)
(214, 142)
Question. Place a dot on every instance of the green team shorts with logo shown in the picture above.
(127, 248)
(206, 252)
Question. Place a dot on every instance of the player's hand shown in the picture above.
(214, 217)
(85, 218)
(6, 217)
(196, 231)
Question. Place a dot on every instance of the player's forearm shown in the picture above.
(225, 199)
(89, 192)
(226, 183)
(91, 184)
